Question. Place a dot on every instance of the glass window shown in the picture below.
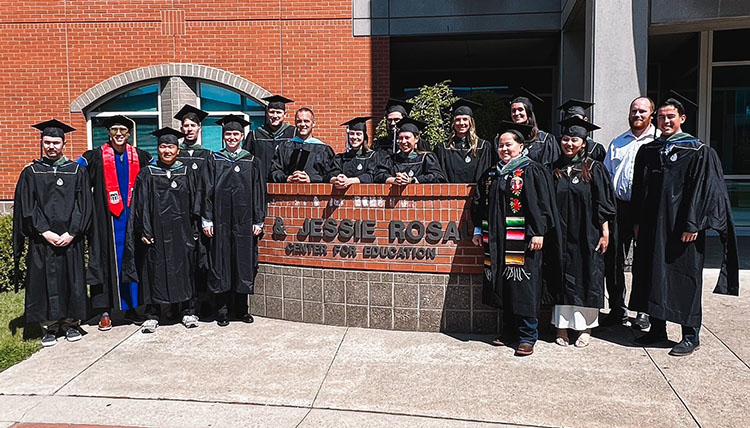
(221, 101)
(673, 62)
(730, 133)
(729, 45)
(140, 104)
(144, 99)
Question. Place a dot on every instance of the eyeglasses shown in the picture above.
(115, 131)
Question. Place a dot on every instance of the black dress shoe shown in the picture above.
(248, 319)
(684, 348)
(222, 320)
(641, 321)
(614, 318)
(651, 338)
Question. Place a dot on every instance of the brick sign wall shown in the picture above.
(417, 228)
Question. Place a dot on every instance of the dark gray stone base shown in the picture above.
(391, 301)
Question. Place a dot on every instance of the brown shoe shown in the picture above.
(524, 349)
(105, 323)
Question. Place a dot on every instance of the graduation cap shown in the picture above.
(400, 106)
(168, 135)
(358, 123)
(277, 102)
(575, 107)
(408, 124)
(464, 107)
(233, 122)
(192, 113)
(521, 92)
(119, 120)
(521, 128)
(574, 126)
(53, 128)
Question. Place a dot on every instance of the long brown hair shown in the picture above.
(472, 137)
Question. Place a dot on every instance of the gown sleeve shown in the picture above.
(139, 225)
(336, 167)
(277, 165)
(710, 209)
(82, 211)
(484, 158)
(602, 193)
(637, 195)
(259, 197)
(205, 202)
(371, 170)
(431, 171)
(384, 167)
(323, 158)
(249, 143)
(479, 208)
(20, 231)
(551, 152)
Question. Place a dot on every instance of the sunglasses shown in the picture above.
(115, 131)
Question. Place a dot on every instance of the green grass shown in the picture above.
(13, 347)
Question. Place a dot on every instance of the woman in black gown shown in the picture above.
(359, 163)
(464, 156)
(540, 146)
(409, 165)
(586, 203)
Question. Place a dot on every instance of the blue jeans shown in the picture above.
(527, 329)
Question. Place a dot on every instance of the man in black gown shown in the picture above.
(52, 208)
(233, 195)
(162, 230)
(263, 141)
(678, 193)
(194, 156)
(112, 170)
(395, 110)
(304, 158)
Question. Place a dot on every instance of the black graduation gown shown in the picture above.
(459, 164)
(56, 198)
(423, 166)
(583, 207)
(320, 158)
(489, 209)
(195, 160)
(682, 190)
(234, 199)
(162, 208)
(596, 151)
(262, 143)
(351, 164)
(102, 273)
(384, 145)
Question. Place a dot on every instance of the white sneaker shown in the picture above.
(190, 321)
(149, 326)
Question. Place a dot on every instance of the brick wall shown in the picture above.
(53, 51)
(379, 204)
(383, 300)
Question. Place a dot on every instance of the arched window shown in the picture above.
(145, 105)
(140, 104)
(220, 101)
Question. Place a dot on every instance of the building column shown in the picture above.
(176, 92)
(616, 60)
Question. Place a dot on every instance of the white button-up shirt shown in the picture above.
(620, 159)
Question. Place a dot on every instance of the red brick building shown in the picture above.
(64, 59)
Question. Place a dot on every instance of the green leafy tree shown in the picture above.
(431, 106)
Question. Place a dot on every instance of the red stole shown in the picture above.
(111, 184)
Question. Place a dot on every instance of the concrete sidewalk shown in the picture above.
(284, 374)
